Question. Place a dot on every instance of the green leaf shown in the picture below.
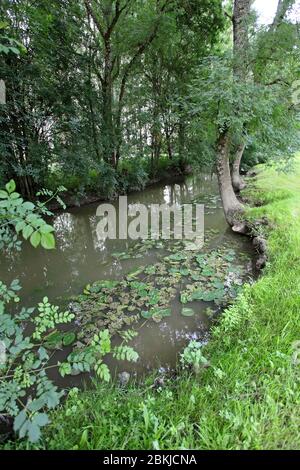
(27, 231)
(69, 338)
(20, 420)
(28, 206)
(103, 372)
(10, 186)
(48, 241)
(34, 432)
(40, 419)
(65, 369)
(20, 225)
(46, 229)
(35, 239)
(3, 194)
(146, 314)
(187, 312)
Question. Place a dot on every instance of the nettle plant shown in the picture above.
(29, 337)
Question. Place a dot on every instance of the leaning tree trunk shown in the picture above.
(237, 181)
(240, 48)
(232, 207)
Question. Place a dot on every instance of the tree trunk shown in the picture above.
(237, 181)
(181, 141)
(169, 146)
(108, 134)
(241, 15)
(91, 106)
(232, 207)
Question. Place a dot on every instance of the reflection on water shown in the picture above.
(81, 257)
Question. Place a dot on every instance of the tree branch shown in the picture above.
(282, 8)
(228, 16)
(118, 11)
(93, 15)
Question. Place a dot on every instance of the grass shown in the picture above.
(249, 397)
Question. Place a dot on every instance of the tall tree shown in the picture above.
(261, 58)
(232, 207)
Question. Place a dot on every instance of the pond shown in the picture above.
(81, 258)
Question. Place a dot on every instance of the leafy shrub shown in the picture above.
(26, 393)
(132, 176)
(19, 216)
(103, 180)
(192, 356)
(72, 183)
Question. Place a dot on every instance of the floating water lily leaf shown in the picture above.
(201, 260)
(187, 312)
(194, 246)
(195, 277)
(157, 314)
(164, 312)
(86, 291)
(218, 284)
(177, 257)
(146, 314)
(230, 256)
(107, 284)
(197, 295)
(207, 272)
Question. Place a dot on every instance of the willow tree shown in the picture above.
(251, 101)
(232, 206)
(271, 45)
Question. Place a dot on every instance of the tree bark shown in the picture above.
(181, 140)
(237, 181)
(232, 207)
(241, 14)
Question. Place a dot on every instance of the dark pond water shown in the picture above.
(81, 258)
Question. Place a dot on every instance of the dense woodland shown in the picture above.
(103, 96)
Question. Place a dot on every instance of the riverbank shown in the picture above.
(248, 397)
(108, 183)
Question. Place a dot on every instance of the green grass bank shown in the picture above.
(249, 397)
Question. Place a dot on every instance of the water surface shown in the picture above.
(81, 258)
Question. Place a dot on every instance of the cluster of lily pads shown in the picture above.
(146, 293)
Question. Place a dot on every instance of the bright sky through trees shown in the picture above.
(267, 8)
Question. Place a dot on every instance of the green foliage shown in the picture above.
(192, 356)
(132, 176)
(246, 397)
(19, 217)
(26, 394)
(48, 317)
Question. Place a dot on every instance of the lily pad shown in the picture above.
(187, 312)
